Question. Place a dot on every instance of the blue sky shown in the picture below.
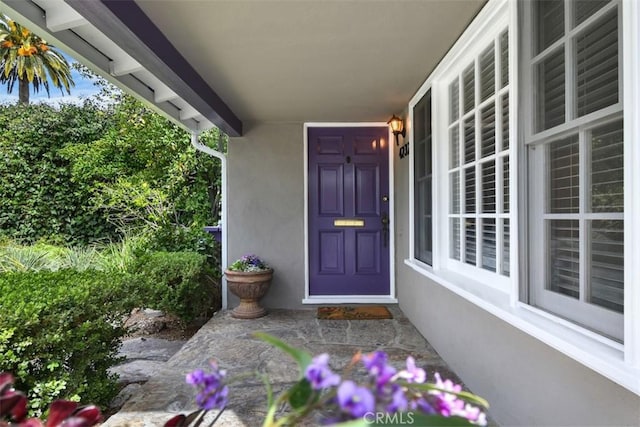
(83, 89)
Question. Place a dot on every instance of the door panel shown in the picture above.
(348, 204)
(367, 188)
(331, 252)
(330, 190)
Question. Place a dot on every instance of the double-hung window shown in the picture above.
(573, 135)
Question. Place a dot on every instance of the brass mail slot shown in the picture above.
(350, 222)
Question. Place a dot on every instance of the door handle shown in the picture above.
(385, 230)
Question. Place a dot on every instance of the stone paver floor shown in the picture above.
(230, 342)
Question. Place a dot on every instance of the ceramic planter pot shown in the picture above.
(250, 287)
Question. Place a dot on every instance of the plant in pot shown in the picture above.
(249, 278)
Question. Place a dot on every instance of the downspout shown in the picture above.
(223, 213)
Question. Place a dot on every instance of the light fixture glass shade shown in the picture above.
(396, 123)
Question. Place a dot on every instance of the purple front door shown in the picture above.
(348, 211)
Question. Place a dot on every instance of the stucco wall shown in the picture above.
(526, 382)
(266, 206)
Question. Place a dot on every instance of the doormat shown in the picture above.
(367, 312)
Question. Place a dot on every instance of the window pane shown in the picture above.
(468, 80)
(470, 241)
(489, 187)
(422, 184)
(419, 122)
(550, 91)
(489, 244)
(607, 169)
(470, 190)
(506, 266)
(564, 180)
(470, 139)
(586, 8)
(487, 73)
(454, 144)
(419, 159)
(504, 59)
(454, 101)
(549, 22)
(505, 121)
(488, 131)
(426, 250)
(607, 265)
(455, 238)
(564, 257)
(597, 65)
(505, 184)
(455, 192)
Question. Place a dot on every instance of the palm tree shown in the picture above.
(27, 59)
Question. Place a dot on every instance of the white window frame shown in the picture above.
(577, 310)
(431, 178)
(494, 278)
(617, 362)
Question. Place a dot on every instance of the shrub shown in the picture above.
(181, 283)
(38, 197)
(60, 332)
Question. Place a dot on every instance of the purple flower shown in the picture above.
(449, 405)
(212, 393)
(422, 405)
(412, 374)
(398, 401)
(355, 400)
(319, 374)
(376, 364)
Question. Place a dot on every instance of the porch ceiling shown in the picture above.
(225, 62)
(303, 60)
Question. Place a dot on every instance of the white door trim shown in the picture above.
(349, 299)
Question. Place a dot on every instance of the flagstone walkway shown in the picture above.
(230, 342)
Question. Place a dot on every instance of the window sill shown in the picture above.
(593, 351)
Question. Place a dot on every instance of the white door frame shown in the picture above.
(350, 299)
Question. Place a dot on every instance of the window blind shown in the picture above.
(549, 17)
(597, 65)
(564, 257)
(488, 131)
(487, 73)
(489, 244)
(607, 264)
(551, 81)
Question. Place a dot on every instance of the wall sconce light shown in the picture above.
(397, 127)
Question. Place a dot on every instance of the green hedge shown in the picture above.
(60, 332)
(38, 197)
(181, 283)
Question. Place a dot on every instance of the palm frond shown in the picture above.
(28, 58)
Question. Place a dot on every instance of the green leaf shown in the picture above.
(302, 357)
(464, 395)
(301, 394)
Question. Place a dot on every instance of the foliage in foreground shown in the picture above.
(60, 332)
(14, 409)
(387, 396)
